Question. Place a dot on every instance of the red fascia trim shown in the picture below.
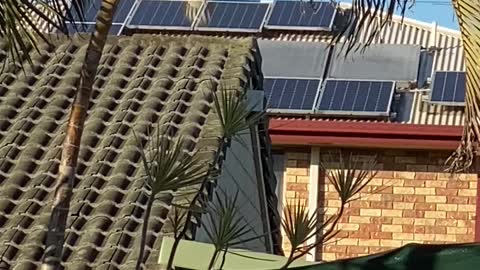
(363, 134)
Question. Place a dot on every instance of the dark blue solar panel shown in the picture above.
(356, 97)
(298, 14)
(178, 14)
(90, 12)
(290, 94)
(233, 15)
(448, 87)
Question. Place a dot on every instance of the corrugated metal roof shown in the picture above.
(449, 56)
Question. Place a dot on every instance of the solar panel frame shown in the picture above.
(293, 111)
(298, 27)
(91, 12)
(130, 25)
(231, 29)
(443, 102)
(385, 113)
(115, 29)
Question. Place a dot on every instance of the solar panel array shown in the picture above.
(448, 88)
(301, 15)
(90, 14)
(356, 97)
(240, 16)
(285, 94)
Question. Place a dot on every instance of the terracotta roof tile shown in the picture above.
(138, 84)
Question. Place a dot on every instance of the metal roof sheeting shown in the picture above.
(448, 56)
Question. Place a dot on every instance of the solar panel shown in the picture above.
(233, 16)
(155, 14)
(356, 97)
(301, 15)
(387, 62)
(90, 12)
(89, 27)
(290, 94)
(448, 88)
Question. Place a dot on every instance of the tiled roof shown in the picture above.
(137, 84)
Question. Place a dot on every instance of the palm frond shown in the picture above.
(225, 226)
(168, 166)
(23, 23)
(349, 173)
(467, 14)
(234, 112)
(376, 14)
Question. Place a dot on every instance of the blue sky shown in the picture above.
(440, 11)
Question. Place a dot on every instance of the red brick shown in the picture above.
(331, 195)
(457, 215)
(436, 242)
(382, 190)
(425, 176)
(385, 174)
(446, 222)
(457, 200)
(414, 213)
(414, 198)
(359, 235)
(413, 229)
(472, 200)
(301, 194)
(435, 230)
(359, 204)
(341, 235)
(392, 197)
(414, 183)
(370, 227)
(381, 235)
(335, 249)
(382, 220)
(297, 186)
(424, 206)
(457, 184)
(344, 219)
(382, 205)
(343, 256)
(352, 212)
(464, 238)
(446, 191)
(374, 250)
(354, 249)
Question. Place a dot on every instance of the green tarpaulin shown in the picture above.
(411, 257)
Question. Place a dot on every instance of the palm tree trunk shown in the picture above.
(71, 146)
(468, 17)
(143, 240)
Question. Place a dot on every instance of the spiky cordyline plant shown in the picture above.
(225, 226)
(235, 117)
(233, 111)
(377, 14)
(349, 175)
(168, 167)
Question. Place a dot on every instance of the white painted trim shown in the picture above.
(313, 193)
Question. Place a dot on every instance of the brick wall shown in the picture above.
(410, 201)
(296, 182)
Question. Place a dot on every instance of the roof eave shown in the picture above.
(364, 134)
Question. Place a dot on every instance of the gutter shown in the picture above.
(363, 134)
